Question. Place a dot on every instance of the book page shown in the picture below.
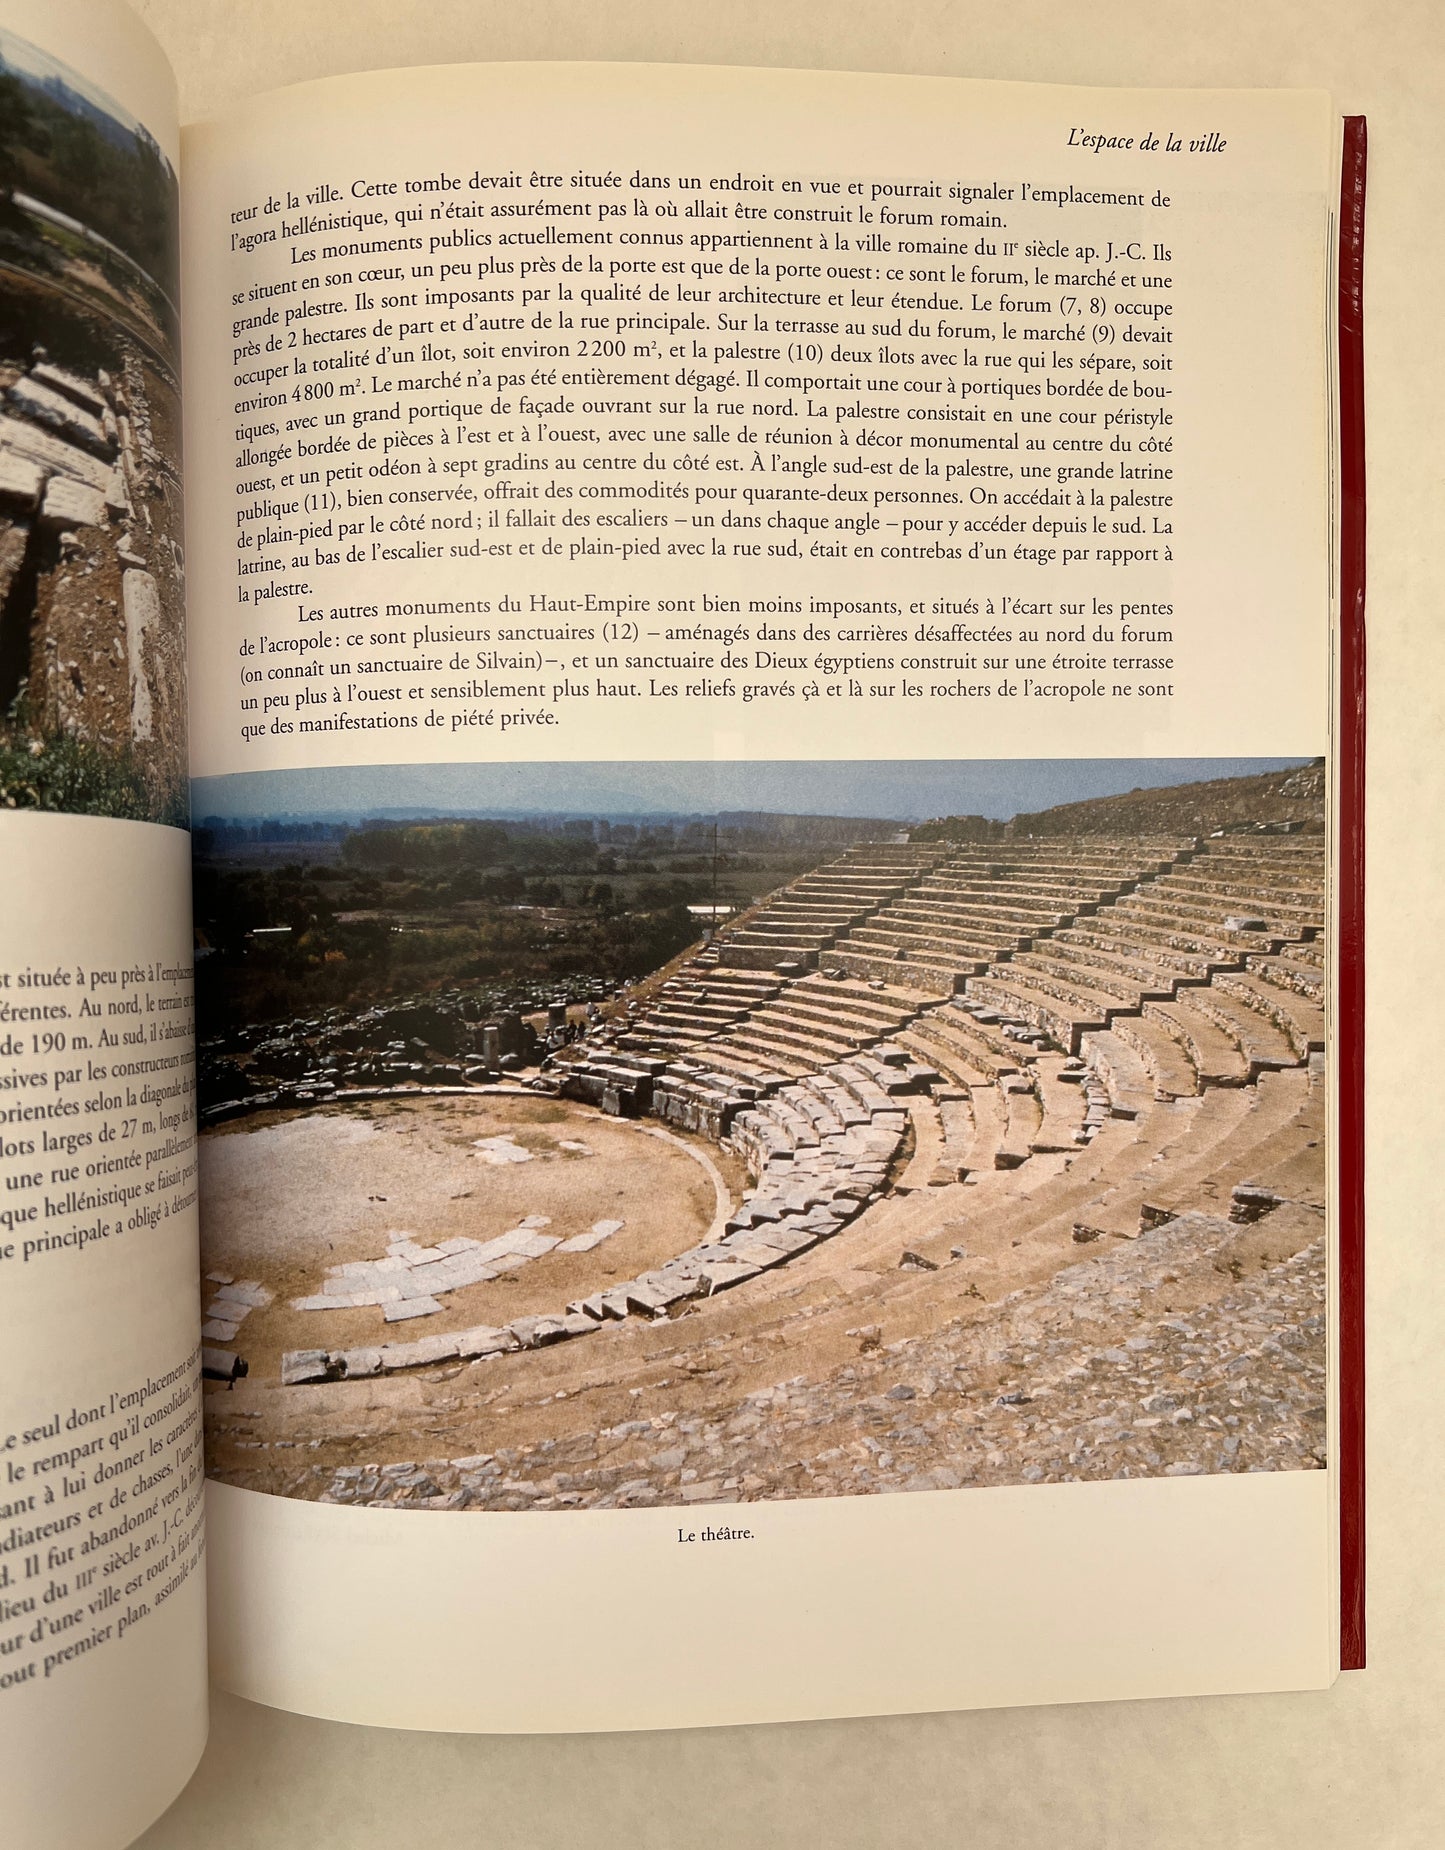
(102, 1619)
(761, 702)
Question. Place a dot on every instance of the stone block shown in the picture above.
(410, 1307)
(247, 1292)
(539, 1332)
(581, 1242)
(421, 1354)
(142, 615)
(520, 1243)
(226, 1311)
(299, 1366)
(761, 1254)
(484, 1341)
(42, 404)
(21, 482)
(53, 453)
(70, 385)
(789, 1240)
(719, 1275)
(70, 504)
(359, 1364)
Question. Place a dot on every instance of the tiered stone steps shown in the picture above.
(1217, 1057)
(1298, 971)
(1127, 1081)
(1278, 887)
(1172, 1158)
(1174, 954)
(1150, 1053)
(696, 1004)
(965, 1048)
(795, 925)
(815, 1021)
(982, 905)
(1159, 1048)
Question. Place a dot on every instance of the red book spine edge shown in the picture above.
(1350, 961)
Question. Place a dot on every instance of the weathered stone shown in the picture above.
(359, 1364)
(142, 617)
(226, 1310)
(53, 453)
(299, 1366)
(719, 1275)
(14, 542)
(1249, 1202)
(41, 404)
(484, 1341)
(582, 1242)
(245, 1291)
(69, 503)
(118, 506)
(406, 1308)
(21, 482)
(420, 1354)
(80, 392)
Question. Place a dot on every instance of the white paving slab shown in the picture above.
(498, 1150)
(411, 1307)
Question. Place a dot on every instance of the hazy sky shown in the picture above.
(908, 789)
(30, 59)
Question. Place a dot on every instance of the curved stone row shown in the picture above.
(1199, 969)
(821, 1152)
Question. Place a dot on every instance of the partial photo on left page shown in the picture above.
(102, 1607)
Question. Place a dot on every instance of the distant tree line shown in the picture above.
(323, 959)
(59, 146)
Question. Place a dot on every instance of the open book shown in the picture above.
(683, 964)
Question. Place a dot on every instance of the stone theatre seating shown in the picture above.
(1033, 1044)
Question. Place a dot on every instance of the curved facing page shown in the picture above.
(102, 1605)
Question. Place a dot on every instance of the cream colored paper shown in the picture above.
(1360, 1764)
(93, 1749)
(544, 1623)
(1249, 578)
(305, 1599)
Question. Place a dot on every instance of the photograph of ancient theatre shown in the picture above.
(610, 1136)
(92, 566)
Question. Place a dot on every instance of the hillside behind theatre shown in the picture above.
(1294, 796)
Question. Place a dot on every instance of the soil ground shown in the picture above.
(293, 1195)
(776, 1388)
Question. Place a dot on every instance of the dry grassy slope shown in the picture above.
(1296, 795)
